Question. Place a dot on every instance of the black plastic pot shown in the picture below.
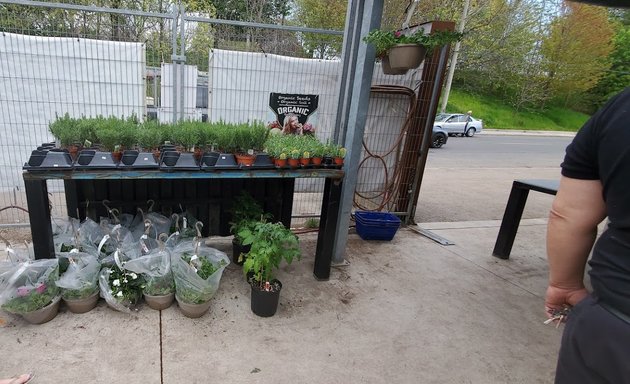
(263, 162)
(237, 249)
(265, 303)
(209, 160)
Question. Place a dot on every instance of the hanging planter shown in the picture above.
(401, 51)
(406, 56)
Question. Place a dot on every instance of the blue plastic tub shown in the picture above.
(376, 225)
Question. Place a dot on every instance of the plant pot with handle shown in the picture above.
(387, 69)
(82, 305)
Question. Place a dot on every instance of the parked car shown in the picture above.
(438, 137)
(458, 124)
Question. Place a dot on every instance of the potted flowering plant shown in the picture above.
(155, 267)
(400, 51)
(121, 288)
(30, 290)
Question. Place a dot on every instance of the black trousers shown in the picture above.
(595, 347)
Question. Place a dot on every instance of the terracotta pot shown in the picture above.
(338, 160)
(45, 314)
(316, 160)
(159, 302)
(156, 154)
(406, 56)
(82, 305)
(193, 310)
(281, 163)
(294, 163)
(116, 156)
(198, 153)
(305, 161)
(245, 159)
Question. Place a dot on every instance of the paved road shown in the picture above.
(469, 179)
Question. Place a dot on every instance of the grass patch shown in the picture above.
(496, 114)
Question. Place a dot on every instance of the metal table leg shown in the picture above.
(327, 228)
(39, 216)
(510, 222)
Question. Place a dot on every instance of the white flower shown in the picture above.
(125, 281)
(119, 294)
(134, 276)
(116, 283)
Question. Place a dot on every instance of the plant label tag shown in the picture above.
(103, 158)
(55, 165)
(143, 237)
(145, 158)
(185, 223)
(250, 151)
(145, 249)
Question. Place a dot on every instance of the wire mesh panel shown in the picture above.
(76, 60)
(240, 66)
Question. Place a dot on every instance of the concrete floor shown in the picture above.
(405, 311)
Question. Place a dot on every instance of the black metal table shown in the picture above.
(127, 188)
(514, 211)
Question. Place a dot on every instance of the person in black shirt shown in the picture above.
(595, 184)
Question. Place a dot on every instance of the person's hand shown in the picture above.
(558, 298)
(22, 379)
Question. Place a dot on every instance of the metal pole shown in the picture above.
(368, 17)
(347, 70)
(174, 65)
(182, 62)
(451, 69)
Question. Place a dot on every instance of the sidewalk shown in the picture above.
(405, 311)
(520, 132)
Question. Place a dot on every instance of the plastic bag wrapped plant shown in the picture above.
(28, 287)
(197, 271)
(155, 267)
(121, 288)
(80, 280)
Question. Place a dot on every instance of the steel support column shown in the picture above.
(357, 96)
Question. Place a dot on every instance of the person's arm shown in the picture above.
(576, 211)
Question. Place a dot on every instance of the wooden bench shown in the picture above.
(514, 211)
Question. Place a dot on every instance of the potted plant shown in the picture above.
(30, 290)
(64, 129)
(150, 138)
(400, 51)
(294, 158)
(249, 139)
(121, 288)
(305, 159)
(197, 271)
(79, 282)
(245, 212)
(155, 268)
(317, 153)
(338, 155)
(110, 140)
(271, 243)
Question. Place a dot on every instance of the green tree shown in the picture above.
(323, 14)
(576, 51)
(618, 75)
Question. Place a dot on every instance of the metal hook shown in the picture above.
(150, 203)
(198, 226)
(105, 202)
(141, 212)
(175, 216)
(115, 213)
(147, 226)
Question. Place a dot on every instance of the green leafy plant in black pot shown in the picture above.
(271, 243)
(246, 211)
